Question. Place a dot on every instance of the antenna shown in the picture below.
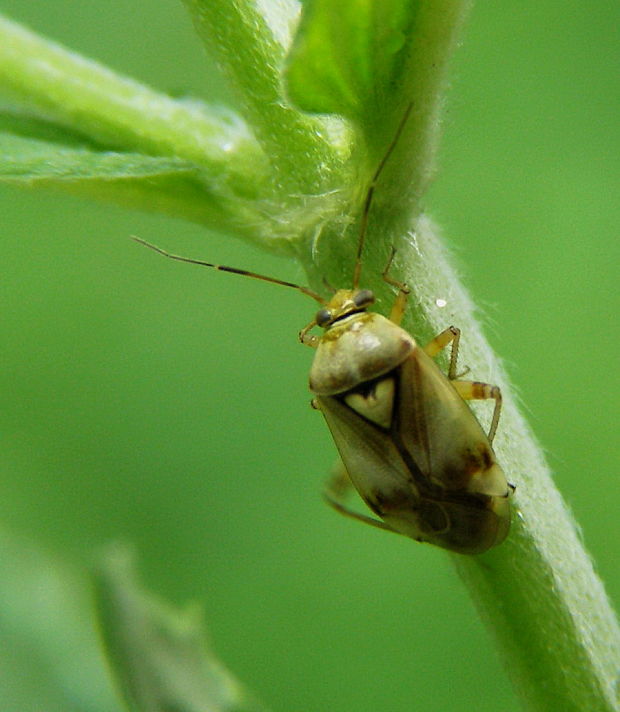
(233, 270)
(369, 195)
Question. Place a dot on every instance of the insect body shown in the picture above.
(409, 444)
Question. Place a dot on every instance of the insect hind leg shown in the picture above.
(476, 390)
(451, 335)
(337, 487)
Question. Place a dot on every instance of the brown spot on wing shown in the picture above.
(478, 459)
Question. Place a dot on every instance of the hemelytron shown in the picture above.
(409, 444)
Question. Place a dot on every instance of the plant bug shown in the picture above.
(409, 444)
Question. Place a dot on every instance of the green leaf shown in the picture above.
(372, 62)
(347, 56)
(29, 159)
(19, 122)
(170, 186)
(160, 656)
(50, 658)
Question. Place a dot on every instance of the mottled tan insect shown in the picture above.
(409, 443)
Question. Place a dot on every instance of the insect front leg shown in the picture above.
(475, 390)
(400, 303)
(337, 487)
(309, 339)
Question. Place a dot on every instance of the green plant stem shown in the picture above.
(420, 90)
(438, 29)
(119, 112)
(538, 592)
(248, 51)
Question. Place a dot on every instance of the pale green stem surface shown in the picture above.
(411, 165)
(538, 592)
(438, 30)
(251, 53)
(89, 98)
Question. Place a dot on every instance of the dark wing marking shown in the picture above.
(437, 431)
(368, 451)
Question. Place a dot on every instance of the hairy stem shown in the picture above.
(538, 592)
(250, 51)
(121, 113)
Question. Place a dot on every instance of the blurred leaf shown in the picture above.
(160, 656)
(50, 658)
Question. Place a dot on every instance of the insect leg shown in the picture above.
(309, 339)
(475, 390)
(339, 484)
(400, 303)
(336, 489)
(450, 335)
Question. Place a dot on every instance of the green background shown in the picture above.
(167, 406)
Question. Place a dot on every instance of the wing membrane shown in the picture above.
(368, 451)
(441, 435)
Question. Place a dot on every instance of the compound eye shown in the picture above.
(363, 298)
(323, 317)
